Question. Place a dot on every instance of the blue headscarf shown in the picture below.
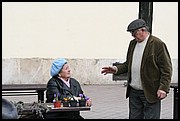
(57, 66)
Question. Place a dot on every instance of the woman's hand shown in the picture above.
(89, 102)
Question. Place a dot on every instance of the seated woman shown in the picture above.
(62, 84)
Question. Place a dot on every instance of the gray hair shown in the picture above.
(145, 28)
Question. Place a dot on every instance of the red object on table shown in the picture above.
(57, 104)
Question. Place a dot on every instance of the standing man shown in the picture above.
(149, 69)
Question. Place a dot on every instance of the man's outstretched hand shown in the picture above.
(108, 70)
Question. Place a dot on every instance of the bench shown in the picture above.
(24, 89)
(175, 95)
(120, 77)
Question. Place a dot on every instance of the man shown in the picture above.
(149, 68)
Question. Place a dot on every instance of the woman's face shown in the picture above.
(65, 72)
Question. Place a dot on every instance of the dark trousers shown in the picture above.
(139, 108)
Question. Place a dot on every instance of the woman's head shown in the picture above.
(60, 68)
(65, 72)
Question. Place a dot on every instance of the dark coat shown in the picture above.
(156, 68)
(56, 85)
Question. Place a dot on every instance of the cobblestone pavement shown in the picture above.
(109, 102)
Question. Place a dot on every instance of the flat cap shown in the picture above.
(136, 24)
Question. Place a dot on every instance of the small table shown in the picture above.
(62, 109)
(31, 108)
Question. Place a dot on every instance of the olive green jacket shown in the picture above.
(155, 70)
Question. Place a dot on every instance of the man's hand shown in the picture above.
(161, 94)
(109, 69)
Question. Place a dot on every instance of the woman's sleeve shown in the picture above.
(52, 88)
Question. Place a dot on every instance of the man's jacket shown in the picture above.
(155, 70)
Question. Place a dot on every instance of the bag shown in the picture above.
(9, 111)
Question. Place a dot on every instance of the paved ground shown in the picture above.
(109, 102)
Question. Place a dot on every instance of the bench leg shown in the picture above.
(40, 95)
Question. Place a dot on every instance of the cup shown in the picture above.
(65, 103)
(73, 103)
(82, 103)
(57, 104)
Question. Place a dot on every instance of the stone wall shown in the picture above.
(36, 70)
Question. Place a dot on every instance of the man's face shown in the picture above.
(139, 34)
